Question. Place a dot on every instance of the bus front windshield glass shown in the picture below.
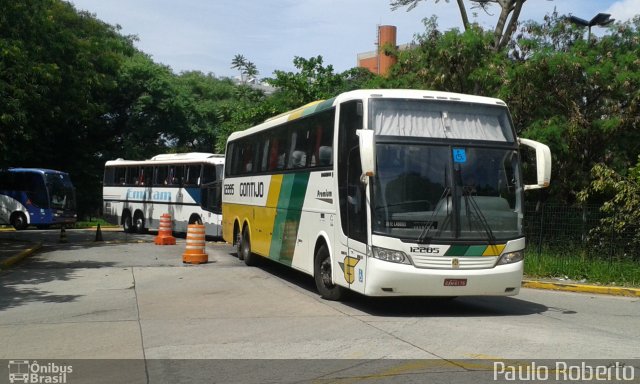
(61, 191)
(427, 192)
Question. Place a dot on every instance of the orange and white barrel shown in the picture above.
(194, 253)
(165, 233)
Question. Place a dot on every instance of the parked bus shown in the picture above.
(185, 185)
(386, 193)
(36, 196)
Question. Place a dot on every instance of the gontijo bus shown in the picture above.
(36, 196)
(385, 192)
(136, 193)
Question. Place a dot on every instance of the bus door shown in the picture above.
(211, 197)
(350, 257)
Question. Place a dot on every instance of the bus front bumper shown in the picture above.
(391, 279)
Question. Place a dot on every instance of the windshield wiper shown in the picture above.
(470, 201)
(423, 238)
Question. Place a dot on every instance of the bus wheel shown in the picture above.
(19, 221)
(322, 276)
(238, 239)
(127, 224)
(138, 222)
(245, 249)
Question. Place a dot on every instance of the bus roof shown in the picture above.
(173, 158)
(35, 170)
(320, 105)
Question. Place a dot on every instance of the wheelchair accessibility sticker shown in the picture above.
(459, 155)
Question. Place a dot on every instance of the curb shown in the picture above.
(582, 288)
(11, 261)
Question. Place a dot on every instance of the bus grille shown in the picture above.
(441, 262)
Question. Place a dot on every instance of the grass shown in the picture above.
(93, 222)
(576, 267)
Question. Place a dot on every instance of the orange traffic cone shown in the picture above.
(165, 236)
(194, 254)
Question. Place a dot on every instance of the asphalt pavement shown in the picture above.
(15, 246)
(126, 310)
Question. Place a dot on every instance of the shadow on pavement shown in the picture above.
(413, 306)
(20, 286)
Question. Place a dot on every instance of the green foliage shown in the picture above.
(450, 61)
(58, 74)
(248, 70)
(579, 97)
(313, 82)
(622, 203)
(72, 83)
(573, 267)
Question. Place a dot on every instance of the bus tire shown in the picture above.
(245, 249)
(19, 221)
(322, 276)
(138, 223)
(237, 240)
(127, 223)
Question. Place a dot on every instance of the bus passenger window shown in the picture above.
(208, 174)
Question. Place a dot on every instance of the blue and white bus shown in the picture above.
(36, 196)
(185, 185)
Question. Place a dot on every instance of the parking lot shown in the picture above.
(128, 299)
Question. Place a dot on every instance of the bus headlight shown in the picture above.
(390, 255)
(511, 257)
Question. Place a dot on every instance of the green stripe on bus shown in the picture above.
(287, 222)
(475, 250)
(457, 250)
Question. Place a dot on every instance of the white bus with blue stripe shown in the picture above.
(185, 185)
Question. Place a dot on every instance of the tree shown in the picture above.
(239, 62)
(450, 61)
(505, 26)
(248, 70)
(58, 77)
(581, 98)
(622, 206)
(313, 82)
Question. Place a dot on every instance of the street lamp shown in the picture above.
(601, 19)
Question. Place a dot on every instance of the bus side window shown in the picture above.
(264, 154)
(193, 174)
(109, 176)
(119, 176)
(278, 151)
(161, 175)
(208, 174)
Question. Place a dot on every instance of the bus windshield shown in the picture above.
(61, 191)
(423, 192)
(441, 120)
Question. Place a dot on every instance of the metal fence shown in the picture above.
(582, 230)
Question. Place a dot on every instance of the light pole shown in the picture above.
(601, 19)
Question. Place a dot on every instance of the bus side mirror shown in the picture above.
(543, 163)
(367, 141)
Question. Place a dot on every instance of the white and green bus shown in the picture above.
(188, 186)
(386, 193)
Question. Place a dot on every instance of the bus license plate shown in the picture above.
(455, 282)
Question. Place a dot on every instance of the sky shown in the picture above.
(205, 35)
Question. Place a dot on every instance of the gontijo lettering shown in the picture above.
(252, 189)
